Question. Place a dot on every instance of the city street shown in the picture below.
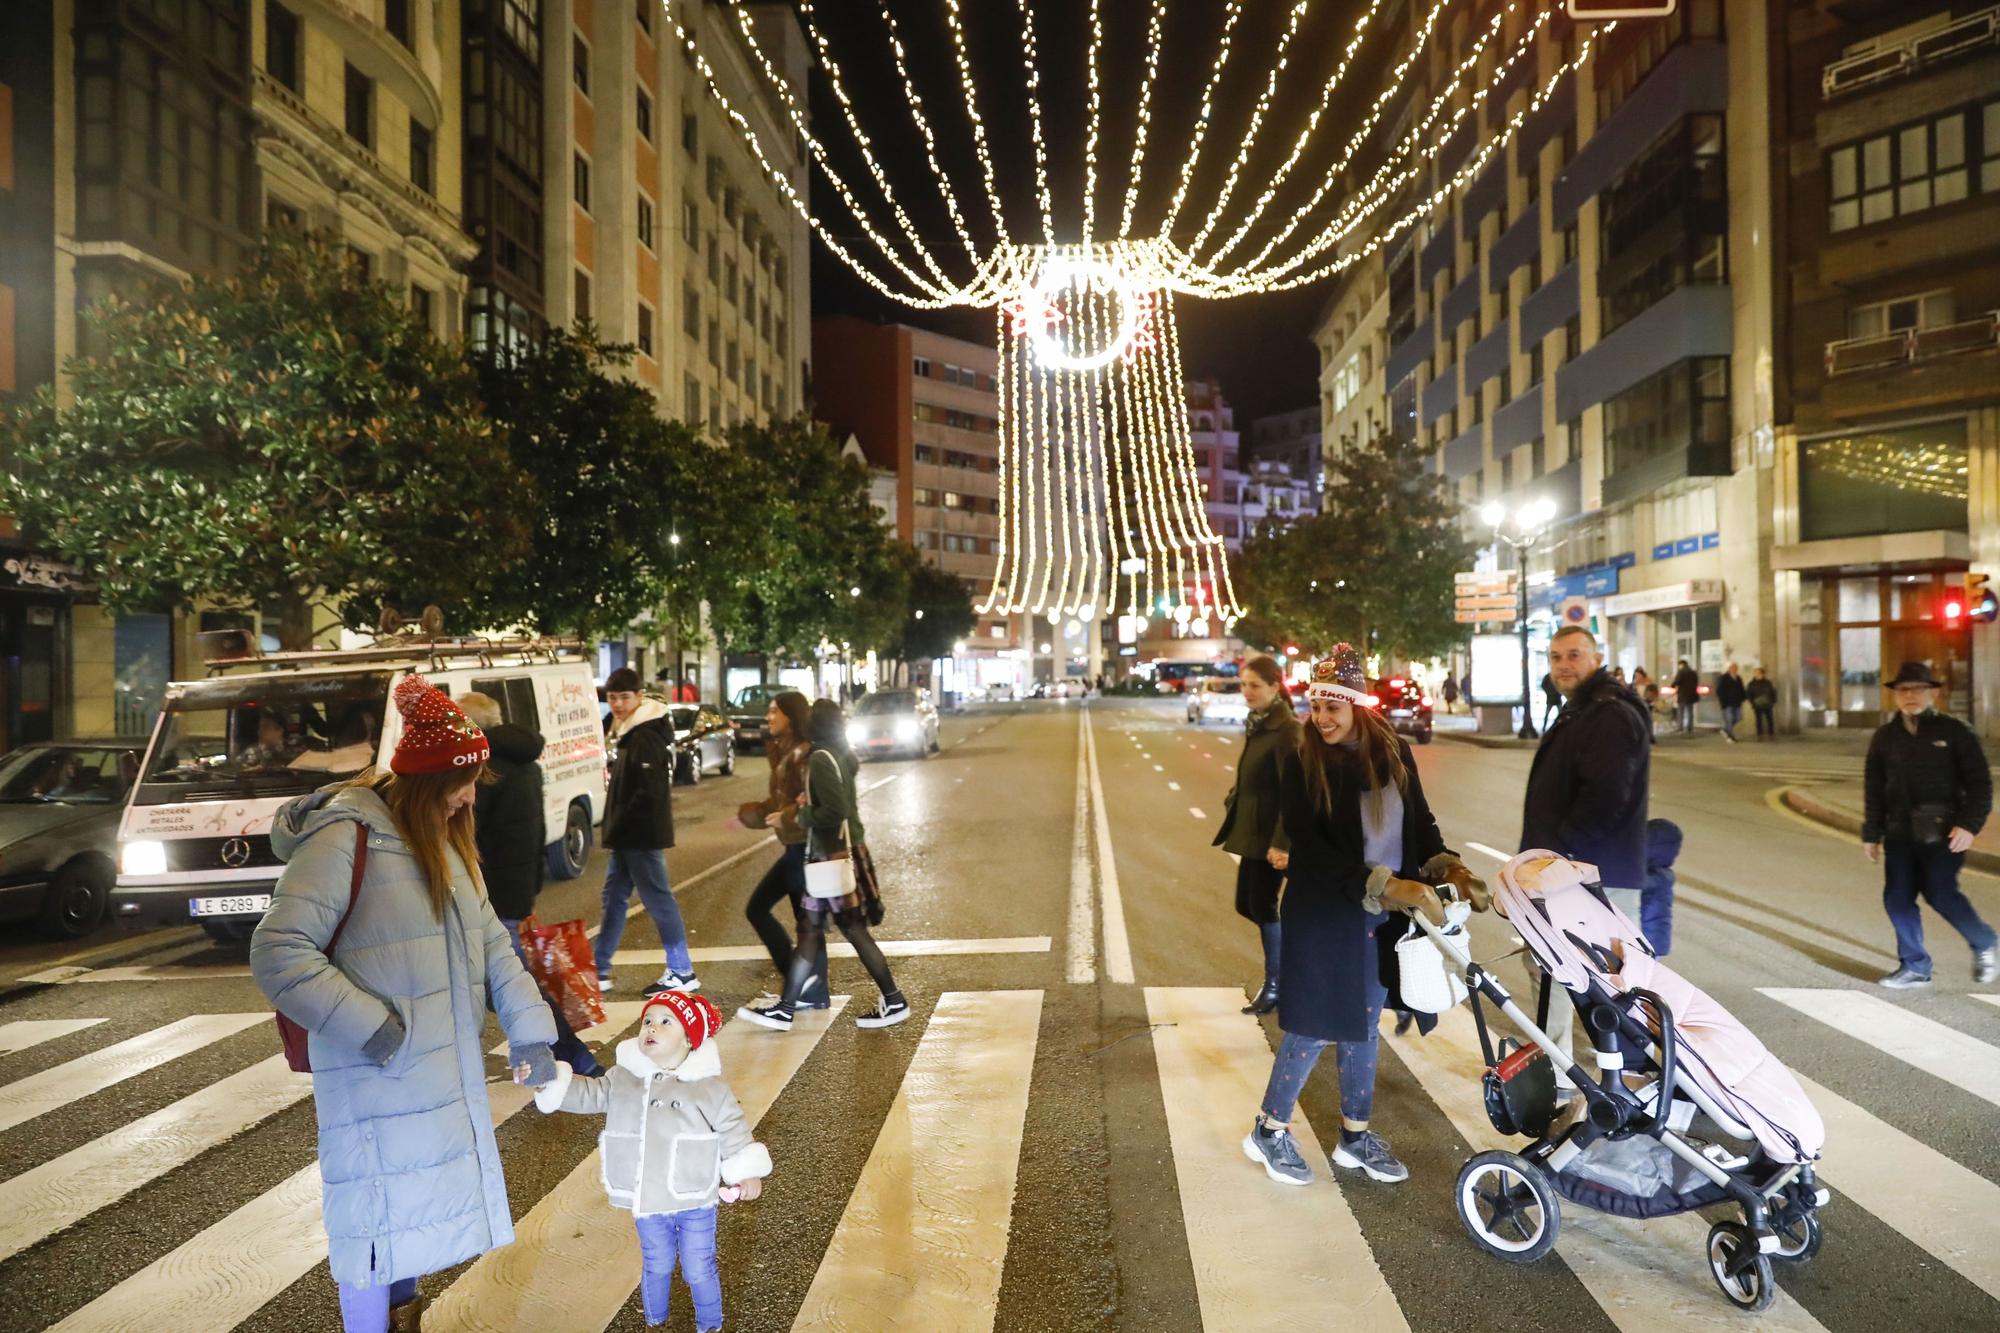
(1053, 1141)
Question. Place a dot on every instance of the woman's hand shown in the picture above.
(1470, 887)
(1414, 896)
(1279, 860)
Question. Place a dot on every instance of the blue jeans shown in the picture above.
(366, 1309)
(1911, 870)
(568, 1047)
(1731, 715)
(643, 868)
(1297, 1055)
(691, 1236)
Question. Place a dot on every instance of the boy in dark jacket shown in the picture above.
(1656, 907)
(639, 828)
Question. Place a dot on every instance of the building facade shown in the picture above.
(1352, 336)
(1285, 465)
(1218, 462)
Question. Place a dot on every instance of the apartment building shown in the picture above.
(1353, 336)
(1285, 470)
(1218, 462)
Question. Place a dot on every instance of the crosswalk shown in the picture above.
(923, 1233)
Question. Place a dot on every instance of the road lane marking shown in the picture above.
(164, 972)
(1229, 768)
(1644, 1275)
(1494, 852)
(46, 1198)
(19, 1036)
(750, 953)
(1159, 768)
(1197, 812)
(1111, 901)
(574, 1262)
(1082, 942)
(1988, 999)
(1173, 786)
(1296, 1257)
(41, 1093)
(923, 1239)
(1942, 1052)
(225, 1273)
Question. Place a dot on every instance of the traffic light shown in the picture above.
(1982, 604)
(1601, 11)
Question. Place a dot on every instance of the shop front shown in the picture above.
(1855, 628)
(36, 592)
(1656, 629)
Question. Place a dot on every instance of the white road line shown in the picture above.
(41, 1093)
(19, 1036)
(1294, 1256)
(1988, 999)
(1229, 768)
(1646, 1276)
(223, 1274)
(750, 953)
(574, 1261)
(46, 1198)
(165, 972)
(52, 976)
(1946, 1053)
(1082, 941)
(1197, 812)
(1159, 768)
(1494, 852)
(1956, 1213)
(924, 1236)
(1111, 902)
(1173, 786)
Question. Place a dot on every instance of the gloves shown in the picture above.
(1413, 895)
(1444, 868)
(539, 1062)
(388, 1039)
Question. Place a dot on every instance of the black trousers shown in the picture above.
(1767, 724)
(785, 881)
(1257, 885)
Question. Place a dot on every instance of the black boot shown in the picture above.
(1266, 1001)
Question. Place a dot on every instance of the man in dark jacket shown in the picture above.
(1687, 693)
(1928, 791)
(1730, 692)
(639, 828)
(1762, 693)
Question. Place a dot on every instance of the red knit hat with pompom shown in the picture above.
(437, 737)
(697, 1015)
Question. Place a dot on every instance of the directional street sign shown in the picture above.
(1484, 615)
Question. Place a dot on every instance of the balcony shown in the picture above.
(1910, 346)
(1899, 54)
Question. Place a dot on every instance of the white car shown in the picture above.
(1217, 700)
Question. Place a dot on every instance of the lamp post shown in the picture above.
(1530, 522)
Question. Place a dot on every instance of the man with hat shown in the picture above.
(1928, 790)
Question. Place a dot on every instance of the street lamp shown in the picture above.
(1530, 522)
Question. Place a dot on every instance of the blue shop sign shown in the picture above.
(1664, 551)
(1710, 540)
(1624, 560)
(1687, 546)
(1586, 583)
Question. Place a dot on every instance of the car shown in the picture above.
(1406, 705)
(703, 742)
(60, 803)
(1218, 698)
(745, 713)
(894, 721)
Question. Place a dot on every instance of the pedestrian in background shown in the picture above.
(787, 751)
(1251, 828)
(1450, 693)
(1656, 908)
(1618, 674)
(508, 819)
(638, 830)
(1552, 699)
(1763, 698)
(1687, 692)
(395, 1013)
(1928, 790)
(1730, 692)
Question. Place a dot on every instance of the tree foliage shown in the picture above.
(938, 612)
(277, 436)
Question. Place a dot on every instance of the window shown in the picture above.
(729, 280)
(579, 63)
(582, 295)
(690, 310)
(645, 115)
(646, 222)
(714, 178)
(1664, 222)
(396, 18)
(690, 133)
(580, 182)
(691, 223)
(1899, 173)
(645, 329)
(953, 500)
(422, 158)
(423, 307)
(360, 108)
(923, 453)
(1684, 407)
(690, 398)
(278, 213)
(921, 368)
(1535, 364)
(1860, 484)
(521, 20)
(731, 362)
(361, 263)
(281, 45)
(1572, 338)
(923, 495)
(715, 342)
(1989, 142)
(1930, 310)
(646, 14)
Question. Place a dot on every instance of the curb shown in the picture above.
(1486, 742)
(1849, 822)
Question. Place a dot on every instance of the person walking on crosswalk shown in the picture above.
(1250, 825)
(382, 945)
(639, 830)
(1927, 792)
(787, 751)
(1362, 836)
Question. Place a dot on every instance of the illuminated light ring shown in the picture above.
(1081, 273)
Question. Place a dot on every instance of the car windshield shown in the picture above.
(684, 717)
(264, 735)
(756, 696)
(1225, 687)
(891, 701)
(68, 774)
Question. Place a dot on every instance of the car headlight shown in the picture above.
(143, 858)
(906, 729)
(856, 733)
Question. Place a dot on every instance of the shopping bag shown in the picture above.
(865, 880)
(559, 958)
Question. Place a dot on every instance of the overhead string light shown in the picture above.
(1203, 116)
(923, 125)
(1034, 85)
(1144, 122)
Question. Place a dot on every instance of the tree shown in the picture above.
(938, 612)
(266, 440)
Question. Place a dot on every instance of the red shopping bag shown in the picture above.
(559, 957)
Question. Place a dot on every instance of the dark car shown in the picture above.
(746, 711)
(60, 803)
(703, 742)
(1406, 705)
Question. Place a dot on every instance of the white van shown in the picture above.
(195, 845)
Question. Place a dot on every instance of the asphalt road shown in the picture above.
(1050, 1143)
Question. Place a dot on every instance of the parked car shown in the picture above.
(746, 711)
(60, 803)
(703, 742)
(892, 721)
(1407, 706)
(1216, 699)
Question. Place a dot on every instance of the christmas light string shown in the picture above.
(1144, 122)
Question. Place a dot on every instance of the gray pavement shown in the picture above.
(1111, 1195)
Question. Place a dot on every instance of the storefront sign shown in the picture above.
(1695, 592)
(1583, 583)
(1706, 541)
(1687, 546)
(1624, 560)
(45, 573)
(1664, 551)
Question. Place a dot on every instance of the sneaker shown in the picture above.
(885, 1015)
(767, 1016)
(687, 983)
(1985, 965)
(1278, 1153)
(1370, 1152)
(1905, 978)
(604, 985)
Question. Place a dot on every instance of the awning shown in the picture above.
(1695, 592)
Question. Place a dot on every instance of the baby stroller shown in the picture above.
(1731, 1127)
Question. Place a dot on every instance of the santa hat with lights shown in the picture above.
(1340, 675)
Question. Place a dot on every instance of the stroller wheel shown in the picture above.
(1743, 1273)
(1798, 1236)
(1508, 1205)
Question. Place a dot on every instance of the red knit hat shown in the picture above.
(437, 737)
(698, 1016)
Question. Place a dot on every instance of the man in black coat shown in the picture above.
(1687, 693)
(1928, 790)
(639, 828)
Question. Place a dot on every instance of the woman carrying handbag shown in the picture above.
(829, 808)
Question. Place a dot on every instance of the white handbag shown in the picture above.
(1428, 984)
(834, 876)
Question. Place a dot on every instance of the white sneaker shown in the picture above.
(687, 983)
(604, 985)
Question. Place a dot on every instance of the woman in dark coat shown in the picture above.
(1250, 824)
(1363, 841)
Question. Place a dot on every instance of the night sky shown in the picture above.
(1259, 347)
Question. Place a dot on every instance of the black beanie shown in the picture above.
(622, 681)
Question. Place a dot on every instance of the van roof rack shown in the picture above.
(412, 646)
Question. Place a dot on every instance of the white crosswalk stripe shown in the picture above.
(38, 1094)
(1923, 1043)
(19, 1036)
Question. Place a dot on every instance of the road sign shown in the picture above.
(1493, 615)
(1477, 582)
(1575, 611)
(1491, 601)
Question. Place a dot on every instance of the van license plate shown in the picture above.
(242, 905)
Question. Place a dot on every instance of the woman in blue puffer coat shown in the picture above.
(394, 1016)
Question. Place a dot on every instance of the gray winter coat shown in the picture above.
(670, 1136)
(406, 1150)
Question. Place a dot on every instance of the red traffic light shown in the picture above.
(1953, 609)
(1291, 650)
